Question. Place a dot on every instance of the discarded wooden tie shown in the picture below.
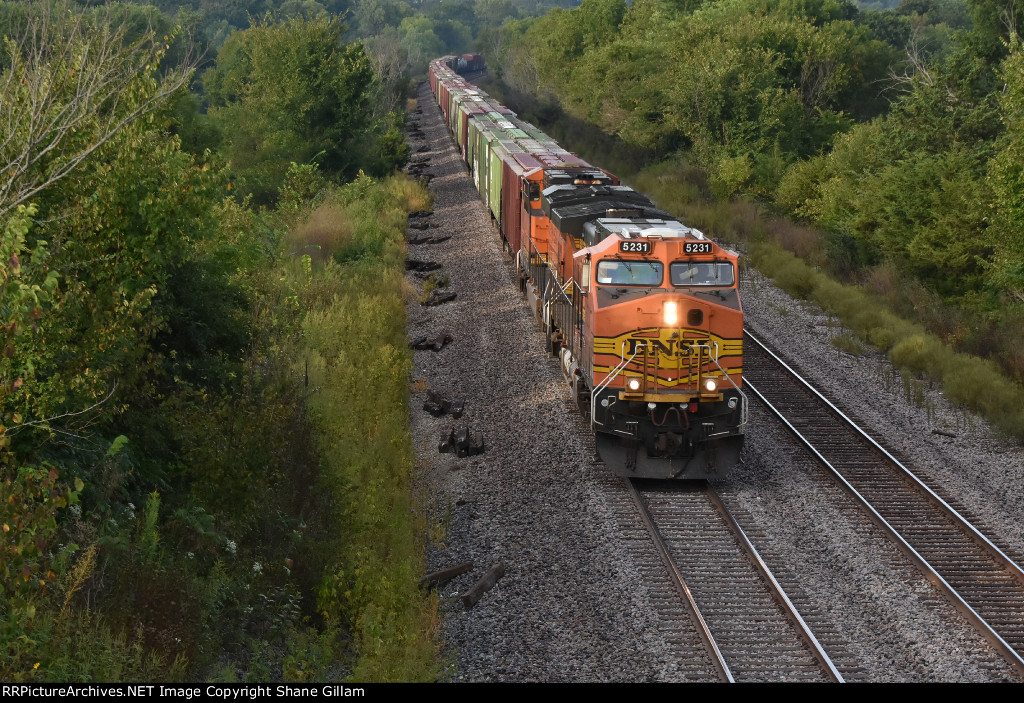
(437, 405)
(434, 343)
(461, 442)
(486, 583)
(436, 578)
(438, 297)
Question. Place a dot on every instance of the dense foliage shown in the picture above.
(893, 129)
(293, 92)
(192, 483)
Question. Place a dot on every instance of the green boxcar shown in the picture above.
(494, 179)
(488, 138)
(498, 154)
(479, 125)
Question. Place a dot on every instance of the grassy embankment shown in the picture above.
(286, 546)
(897, 316)
(356, 359)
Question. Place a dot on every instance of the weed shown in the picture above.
(443, 525)
(805, 242)
(409, 291)
(848, 344)
(433, 282)
(323, 232)
(781, 309)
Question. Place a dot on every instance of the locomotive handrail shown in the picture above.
(743, 396)
(611, 377)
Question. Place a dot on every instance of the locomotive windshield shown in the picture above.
(629, 273)
(702, 273)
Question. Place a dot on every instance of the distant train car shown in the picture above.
(469, 63)
(643, 311)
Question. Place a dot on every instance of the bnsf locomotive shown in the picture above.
(643, 312)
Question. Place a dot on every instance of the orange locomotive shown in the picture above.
(650, 332)
(643, 311)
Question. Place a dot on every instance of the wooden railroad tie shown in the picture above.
(486, 583)
(436, 578)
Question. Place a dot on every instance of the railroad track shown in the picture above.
(721, 610)
(981, 581)
(748, 624)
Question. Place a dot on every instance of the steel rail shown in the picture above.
(677, 578)
(1010, 564)
(994, 638)
(787, 605)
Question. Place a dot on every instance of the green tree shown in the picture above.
(420, 41)
(1007, 178)
(995, 23)
(494, 12)
(292, 91)
(372, 16)
(63, 98)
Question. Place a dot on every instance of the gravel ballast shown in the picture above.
(573, 604)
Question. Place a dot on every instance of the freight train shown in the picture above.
(642, 311)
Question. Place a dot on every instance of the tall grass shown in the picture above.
(971, 382)
(356, 358)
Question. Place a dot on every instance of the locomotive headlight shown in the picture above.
(671, 314)
(710, 385)
(633, 384)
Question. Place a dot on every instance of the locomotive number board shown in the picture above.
(697, 247)
(635, 247)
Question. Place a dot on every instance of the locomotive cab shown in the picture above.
(661, 348)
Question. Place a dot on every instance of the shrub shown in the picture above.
(917, 353)
(791, 274)
(320, 234)
(805, 242)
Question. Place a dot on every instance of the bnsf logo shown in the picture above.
(665, 347)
